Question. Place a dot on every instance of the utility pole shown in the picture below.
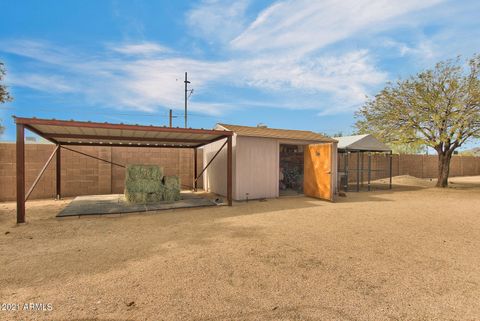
(186, 97)
(170, 118)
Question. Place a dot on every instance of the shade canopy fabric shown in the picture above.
(361, 142)
(82, 133)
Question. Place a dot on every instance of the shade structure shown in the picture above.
(93, 133)
(85, 133)
(365, 142)
(360, 145)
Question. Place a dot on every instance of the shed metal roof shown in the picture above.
(106, 134)
(266, 132)
(365, 142)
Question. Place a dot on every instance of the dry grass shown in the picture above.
(408, 254)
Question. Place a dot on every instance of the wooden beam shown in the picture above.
(212, 141)
(20, 161)
(96, 125)
(35, 182)
(358, 171)
(195, 164)
(58, 170)
(362, 165)
(346, 170)
(390, 170)
(121, 138)
(229, 171)
(369, 169)
(124, 145)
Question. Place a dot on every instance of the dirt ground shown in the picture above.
(412, 253)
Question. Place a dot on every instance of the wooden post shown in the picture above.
(195, 165)
(369, 169)
(358, 171)
(390, 170)
(20, 173)
(346, 171)
(229, 170)
(59, 174)
(362, 166)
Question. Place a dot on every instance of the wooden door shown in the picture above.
(317, 178)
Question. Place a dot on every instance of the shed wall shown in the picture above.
(257, 168)
(215, 176)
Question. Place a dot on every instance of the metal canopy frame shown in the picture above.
(359, 171)
(177, 138)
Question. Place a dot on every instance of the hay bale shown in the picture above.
(172, 182)
(144, 186)
(172, 188)
(171, 195)
(155, 197)
(144, 198)
(150, 172)
(136, 198)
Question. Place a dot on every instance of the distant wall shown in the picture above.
(421, 166)
(82, 175)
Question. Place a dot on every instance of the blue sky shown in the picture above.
(288, 64)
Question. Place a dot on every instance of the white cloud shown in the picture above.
(37, 50)
(421, 50)
(47, 83)
(301, 26)
(347, 77)
(282, 54)
(144, 48)
(148, 83)
(217, 21)
(141, 83)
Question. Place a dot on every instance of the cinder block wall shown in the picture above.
(82, 175)
(175, 161)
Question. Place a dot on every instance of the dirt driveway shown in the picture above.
(408, 254)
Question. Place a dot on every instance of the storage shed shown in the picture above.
(269, 163)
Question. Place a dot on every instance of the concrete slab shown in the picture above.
(116, 204)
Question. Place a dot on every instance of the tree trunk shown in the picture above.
(443, 168)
